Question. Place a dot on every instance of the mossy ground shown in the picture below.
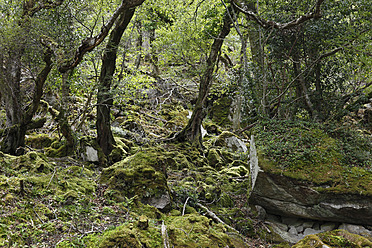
(64, 202)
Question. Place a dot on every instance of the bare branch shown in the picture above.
(314, 14)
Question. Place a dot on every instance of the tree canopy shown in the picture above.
(306, 59)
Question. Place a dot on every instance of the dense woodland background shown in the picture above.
(295, 74)
(301, 60)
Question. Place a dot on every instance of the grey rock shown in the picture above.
(278, 229)
(91, 154)
(163, 202)
(309, 231)
(327, 227)
(236, 144)
(261, 212)
(291, 221)
(292, 230)
(308, 224)
(300, 229)
(356, 229)
(285, 196)
(229, 140)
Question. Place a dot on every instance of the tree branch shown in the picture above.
(90, 43)
(314, 14)
(31, 7)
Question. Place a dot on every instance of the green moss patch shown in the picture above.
(334, 239)
(221, 111)
(39, 141)
(305, 152)
(142, 174)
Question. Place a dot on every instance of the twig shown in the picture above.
(164, 234)
(184, 206)
(153, 117)
(38, 215)
(215, 217)
(51, 177)
(242, 177)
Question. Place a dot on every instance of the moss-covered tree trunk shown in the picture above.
(104, 98)
(192, 132)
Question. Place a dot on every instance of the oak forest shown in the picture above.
(186, 123)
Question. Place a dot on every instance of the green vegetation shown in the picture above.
(336, 239)
(317, 154)
(102, 105)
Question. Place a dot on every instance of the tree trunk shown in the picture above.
(260, 87)
(19, 120)
(242, 74)
(104, 98)
(302, 89)
(192, 132)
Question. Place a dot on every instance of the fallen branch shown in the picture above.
(164, 234)
(242, 177)
(215, 217)
(184, 206)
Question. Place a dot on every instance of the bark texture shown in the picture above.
(104, 98)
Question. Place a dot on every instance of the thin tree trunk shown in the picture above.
(254, 35)
(242, 74)
(192, 132)
(104, 98)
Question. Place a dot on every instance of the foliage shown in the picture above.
(300, 144)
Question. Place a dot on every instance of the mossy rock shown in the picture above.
(39, 141)
(231, 141)
(195, 230)
(31, 162)
(221, 111)
(58, 150)
(214, 158)
(142, 174)
(334, 239)
(129, 236)
(235, 171)
(119, 151)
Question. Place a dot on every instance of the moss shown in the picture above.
(335, 238)
(221, 111)
(39, 141)
(307, 153)
(31, 162)
(62, 150)
(326, 178)
(214, 158)
(131, 234)
(142, 174)
(235, 171)
(119, 152)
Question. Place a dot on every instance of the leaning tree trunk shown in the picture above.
(192, 132)
(104, 98)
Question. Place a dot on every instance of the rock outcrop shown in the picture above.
(286, 196)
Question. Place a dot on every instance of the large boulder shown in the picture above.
(143, 175)
(286, 196)
(231, 141)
